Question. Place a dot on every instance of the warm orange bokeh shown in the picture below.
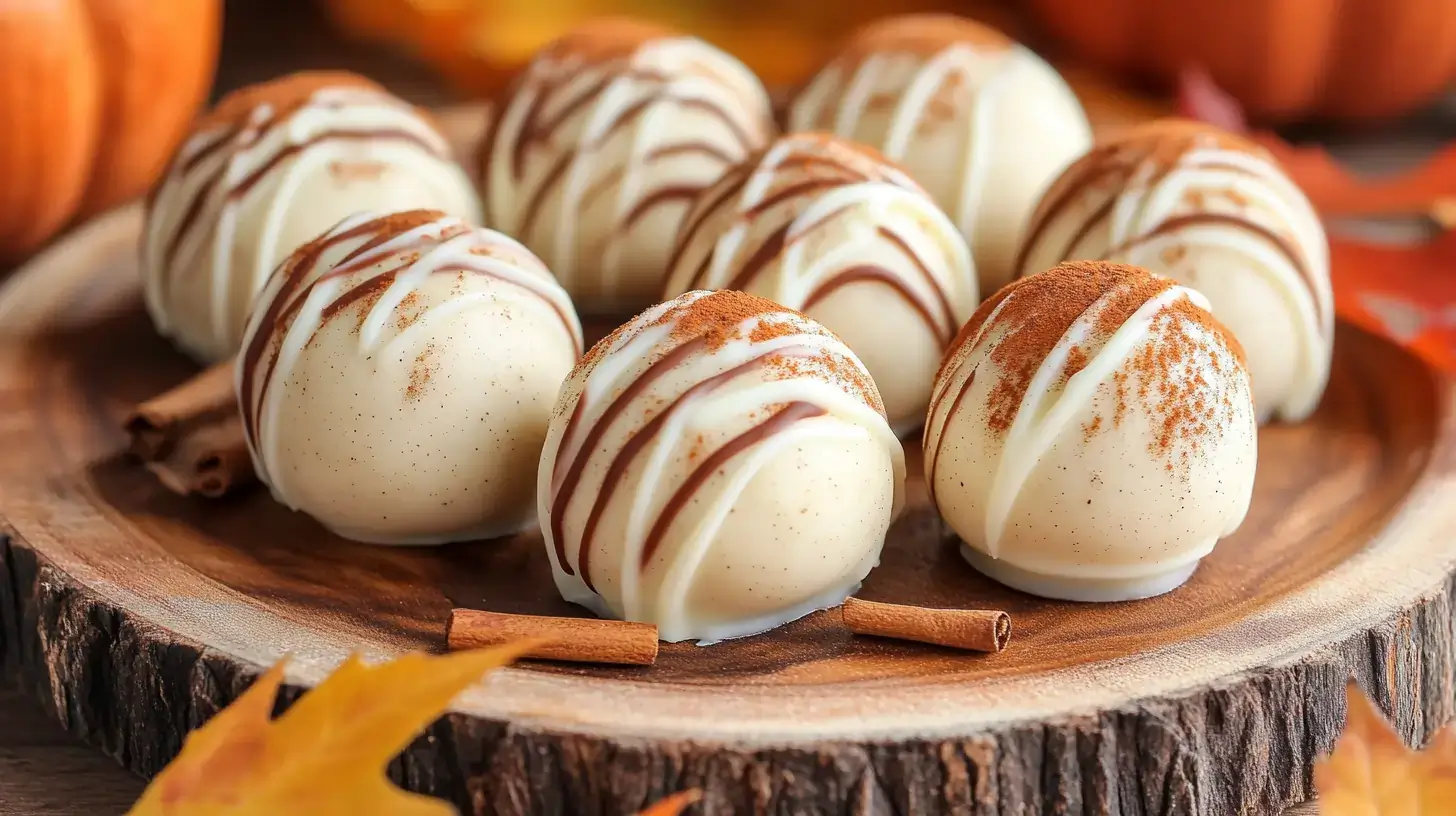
(476, 43)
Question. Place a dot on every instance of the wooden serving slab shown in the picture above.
(135, 614)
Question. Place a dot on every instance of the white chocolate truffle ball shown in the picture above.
(718, 466)
(398, 376)
(982, 122)
(267, 170)
(607, 138)
(831, 229)
(1091, 436)
(1213, 212)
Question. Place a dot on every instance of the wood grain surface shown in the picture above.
(134, 614)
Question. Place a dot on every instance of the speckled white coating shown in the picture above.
(982, 122)
(768, 530)
(603, 146)
(853, 243)
(1076, 499)
(240, 196)
(398, 376)
(1125, 203)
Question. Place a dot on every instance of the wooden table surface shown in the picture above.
(45, 771)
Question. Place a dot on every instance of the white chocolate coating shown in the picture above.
(718, 466)
(1216, 214)
(398, 375)
(607, 139)
(271, 168)
(982, 122)
(1092, 435)
(832, 230)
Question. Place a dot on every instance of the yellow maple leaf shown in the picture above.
(327, 753)
(1372, 773)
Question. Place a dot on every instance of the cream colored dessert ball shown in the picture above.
(271, 167)
(398, 375)
(831, 229)
(983, 123)
(606, 139)
(1091, 436)
(718, 466)
(1216, 213)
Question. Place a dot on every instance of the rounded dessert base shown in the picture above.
(1107, 590)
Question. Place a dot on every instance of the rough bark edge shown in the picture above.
(134, 690)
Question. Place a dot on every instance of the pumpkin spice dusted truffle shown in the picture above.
(1215, 213)
(398, 375)
(982, 122)
(603, 143)
(1091, 435)
(718, 466)
(831, 229)
(271, 167)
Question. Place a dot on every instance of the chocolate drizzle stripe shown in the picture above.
(383, 280)
(533, 130)
(955, 406)
(382, 134)
(685, 193)
(781, 419)
(624, 118)
(207, 188)
(1080, 176)
(795, 190)
(603, 184)
(878, 274)
(638, 441)
(1180, 222)
(947, 312)
(292, 291)
(563, 492)
(771, 248)
(706, 208)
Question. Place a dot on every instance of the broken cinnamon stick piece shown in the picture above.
(579, 640)
(979, 630)
(191, 437)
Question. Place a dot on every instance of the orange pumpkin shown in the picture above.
(1283, 59)
(94, 95)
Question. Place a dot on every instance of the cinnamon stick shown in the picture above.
(978, 630)
(578, 640)
(191, 437)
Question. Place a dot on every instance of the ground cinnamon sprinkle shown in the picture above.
(827, 365)
(420, 373)
(1041, 309)
(717, 317)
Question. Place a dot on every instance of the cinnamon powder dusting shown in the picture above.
(1176, 377)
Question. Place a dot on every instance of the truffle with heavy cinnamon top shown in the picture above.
(718, 466)
(1091, 435)
(607, 137)
(398, 374)
(1216, 213)
(832, 229)
(979, 120)
(269, 168)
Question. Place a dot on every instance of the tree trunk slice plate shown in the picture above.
(135, 614)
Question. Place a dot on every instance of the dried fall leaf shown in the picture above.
(327, 753)
(1372, 773)
(1407, 294)
(674, 804)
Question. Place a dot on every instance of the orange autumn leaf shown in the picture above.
(327, 753)
(1372, 773)
(674, 804)
(1405, 293)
